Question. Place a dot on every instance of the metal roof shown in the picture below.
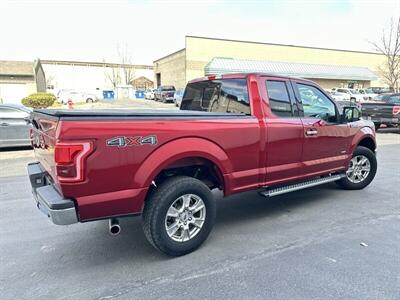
(220, 65)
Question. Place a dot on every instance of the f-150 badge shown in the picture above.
(126, 141)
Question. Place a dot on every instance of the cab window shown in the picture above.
(278, 97)
(225, 95)
(316, 104)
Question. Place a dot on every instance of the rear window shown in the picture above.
(168, 88)
(226, 95)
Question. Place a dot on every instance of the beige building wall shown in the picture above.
(172, 69)
(200, 51)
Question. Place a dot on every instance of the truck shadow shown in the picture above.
(98, 247)
(251, 205)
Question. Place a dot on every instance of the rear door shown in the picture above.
(284, 133)
(326, 140)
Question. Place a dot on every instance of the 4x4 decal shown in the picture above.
(125, 141)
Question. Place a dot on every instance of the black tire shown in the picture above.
(346, 184)
(157, 205)
(377, 126)
(89, 100)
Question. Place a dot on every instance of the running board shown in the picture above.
(302, 185)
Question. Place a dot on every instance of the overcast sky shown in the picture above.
(91, 30)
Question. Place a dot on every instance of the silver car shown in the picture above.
(14, 125)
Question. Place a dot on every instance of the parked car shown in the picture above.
(340, 96)
(344, 103)
(384, 109)
(149, 94)
(372, 92)
(379, 90)
(163, 164)
(178, 97)
(165, 93)
(354, 95)
(76, 97)
(15, 125)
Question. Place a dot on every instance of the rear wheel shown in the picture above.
(361, 171)
(89, 100)
(179, 215)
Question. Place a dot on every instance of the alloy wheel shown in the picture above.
(185, 218)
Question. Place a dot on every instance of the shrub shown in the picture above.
(39, 100)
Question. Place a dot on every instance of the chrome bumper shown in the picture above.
(59, 210)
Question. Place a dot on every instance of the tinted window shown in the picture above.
(226, 95)
(316, 104)
(279, 98)
(394, 99)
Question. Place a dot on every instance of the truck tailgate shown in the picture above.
(377, 109)
(43, 139)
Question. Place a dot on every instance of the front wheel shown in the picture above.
(179, 215)
(361, 171)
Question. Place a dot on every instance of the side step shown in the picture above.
(302, 185)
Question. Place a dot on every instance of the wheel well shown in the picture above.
(368, 143)
(196, 167)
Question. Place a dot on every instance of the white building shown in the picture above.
(89, 76)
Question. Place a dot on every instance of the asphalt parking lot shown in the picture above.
(320, 243)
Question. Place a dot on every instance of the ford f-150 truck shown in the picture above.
(385, 109)
(235, 132)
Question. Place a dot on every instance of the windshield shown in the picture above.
(168, 88)
(378, 98)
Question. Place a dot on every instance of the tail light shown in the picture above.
(396, 110)
(70, 160)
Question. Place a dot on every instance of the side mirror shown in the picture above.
(350, 114)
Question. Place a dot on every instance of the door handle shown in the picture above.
(311, 132)
(4, 124)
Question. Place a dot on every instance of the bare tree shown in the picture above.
(389, 45)
(113, 76)
(126, 63)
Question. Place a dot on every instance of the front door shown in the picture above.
(326, 140)
(284, 132)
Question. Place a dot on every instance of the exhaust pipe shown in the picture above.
(113, 226)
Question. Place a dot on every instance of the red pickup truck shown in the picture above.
(235, 132)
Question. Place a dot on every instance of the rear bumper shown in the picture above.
(59, 210)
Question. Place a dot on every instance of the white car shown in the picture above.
(149, 94)
(76, 97)
(354, 95)
(340, 96)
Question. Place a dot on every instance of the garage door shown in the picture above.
(12, 93)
